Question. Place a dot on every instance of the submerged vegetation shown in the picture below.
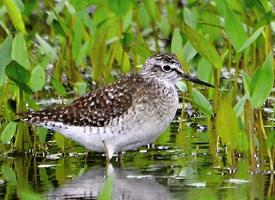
(63, 49)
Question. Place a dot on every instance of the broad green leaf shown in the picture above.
(203, 104)
(251, 39)
(262, 83)
(203, 47)
(19, 51)
(26, 194)
(234, 29)
(9, 175)
(204, 70)
(242, 142)
(37, 79)
(176, 45)
(60, 140)
(17, 73)
(42, 133)
(5, 57)
(15, 15)
(45, 48)
(80, 88)
(152, 9)
(8, 133)
(59, 88)
(188, 52)
(182, 86)
(106, 189)
(240, 105)
(126, 65)
(78, 31)
(119, 7)
(144, 17)
(271, 139)
(190, 17)
(164, 26)
(226, 122)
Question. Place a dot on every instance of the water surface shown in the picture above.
(178, 166)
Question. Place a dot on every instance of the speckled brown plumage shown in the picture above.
(96, 108)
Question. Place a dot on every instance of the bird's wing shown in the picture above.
(93, 109)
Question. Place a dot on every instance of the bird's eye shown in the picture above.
(166, 68)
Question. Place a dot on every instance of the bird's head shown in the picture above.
(167, 67)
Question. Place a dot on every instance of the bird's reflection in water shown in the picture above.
(126, 184)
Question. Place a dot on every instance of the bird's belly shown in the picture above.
(90, 137)
(144, 128)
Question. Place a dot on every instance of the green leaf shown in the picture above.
(152, 9)
(246, 82)
(240, 105)
(271, 139)
(45, 48)
(26, 194)
(164, 26)
(19, 51)
(242, 142)
(80, 88)
(42, 133)
(226, 122)
(190, 17)
(106, 190)
(203, 104)
(188, 52)
(37, 79)
(176, 45)
(60, 140)
(8, 133)
(203, 47)
(9, 175)
(119, 7)
(78, 31)
(17, 73)
(234, 29)
(5, 57)
(262, 83)
(204, 70)
(251, 39)
(58, 87)
(182, 86)
(15, 15)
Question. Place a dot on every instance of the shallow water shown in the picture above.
(178, 166)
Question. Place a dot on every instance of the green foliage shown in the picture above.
(42, 133)
(232, 25)
(37, 79)
(202, 102)
(19, 51)
(8, 133)
(9, 175)
(15, 15)
(5, 57)
(106, 190)
(176, 45)
(251, 39)
(203, 47)
(262, 82)
(227, 123)
(103, 38)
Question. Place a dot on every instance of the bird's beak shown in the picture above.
(194, 79)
